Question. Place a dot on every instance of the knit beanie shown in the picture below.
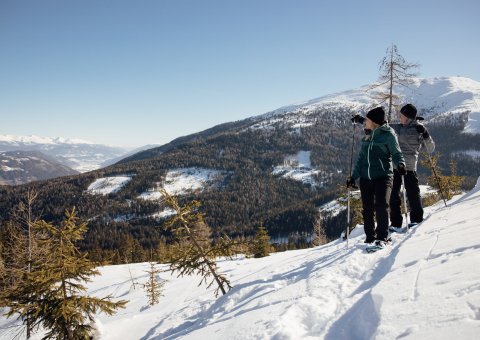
(409, 111)
(377, 115)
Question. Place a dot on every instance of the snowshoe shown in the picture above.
(378, 245)
(393, 229)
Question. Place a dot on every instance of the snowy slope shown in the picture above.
(185, 180)
(108, 185)
(436, 98)
(425, 286)
(298, 167)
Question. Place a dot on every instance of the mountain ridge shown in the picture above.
(20, 167)
(77, 154)
(436, 99)
(260, 174)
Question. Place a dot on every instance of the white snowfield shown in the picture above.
(334, 207)
(108, 185)
(185, 180)
(426, 285)
(298, 168)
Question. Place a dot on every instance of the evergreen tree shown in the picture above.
(261, 244)
(20, 248)
(52, 292)
(447, 185)
(130, 250)
(153, 286)
(192, 254)
(394, 71)
(319, 236)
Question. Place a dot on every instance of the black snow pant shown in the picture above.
(375, 197)
(413, 196)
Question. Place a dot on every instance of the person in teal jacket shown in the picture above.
(374, 167)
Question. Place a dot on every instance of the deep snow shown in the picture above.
(426, 285)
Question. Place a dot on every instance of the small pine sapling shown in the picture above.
(153, 287)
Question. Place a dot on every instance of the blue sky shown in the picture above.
(130, 73)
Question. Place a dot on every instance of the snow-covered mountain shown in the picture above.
(426, 285)
(437, 99)
(75, 153)
(19, 167)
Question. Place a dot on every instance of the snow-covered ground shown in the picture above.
(426, 285)
(297, 167)
(165, 213)
(475, 154)
(185, 180)
(334, 207)
(108, 185)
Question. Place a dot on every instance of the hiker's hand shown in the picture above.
(351, 183)
(357, 119)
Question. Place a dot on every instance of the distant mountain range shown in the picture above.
(19, 167)
(274, 169)
(76, 154)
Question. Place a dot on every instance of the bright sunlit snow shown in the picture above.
(426, 285)
(297, 167)
(436, 98)
(32, 139)
(183, 181)
(108, 185)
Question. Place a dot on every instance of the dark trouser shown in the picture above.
(375, 198)
(413, 195)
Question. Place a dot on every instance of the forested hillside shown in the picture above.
(273, 170)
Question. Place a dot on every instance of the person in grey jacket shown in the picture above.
(411, 136)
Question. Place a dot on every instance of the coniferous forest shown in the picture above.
(246, 196)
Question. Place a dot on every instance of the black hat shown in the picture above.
(377, 115)
(409, 111)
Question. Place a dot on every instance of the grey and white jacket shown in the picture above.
(410, 142)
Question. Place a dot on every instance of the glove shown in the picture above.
(357, 119)
(367, 131)
(351, 183)
(402, 170)
(422, 131)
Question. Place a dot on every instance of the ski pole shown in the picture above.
(405, 202)
(347, 231)
(434, 171)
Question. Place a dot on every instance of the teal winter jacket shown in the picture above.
(377, 151)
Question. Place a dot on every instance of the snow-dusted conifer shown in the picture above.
(193, 253)
(153, 286)
(52, 293)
